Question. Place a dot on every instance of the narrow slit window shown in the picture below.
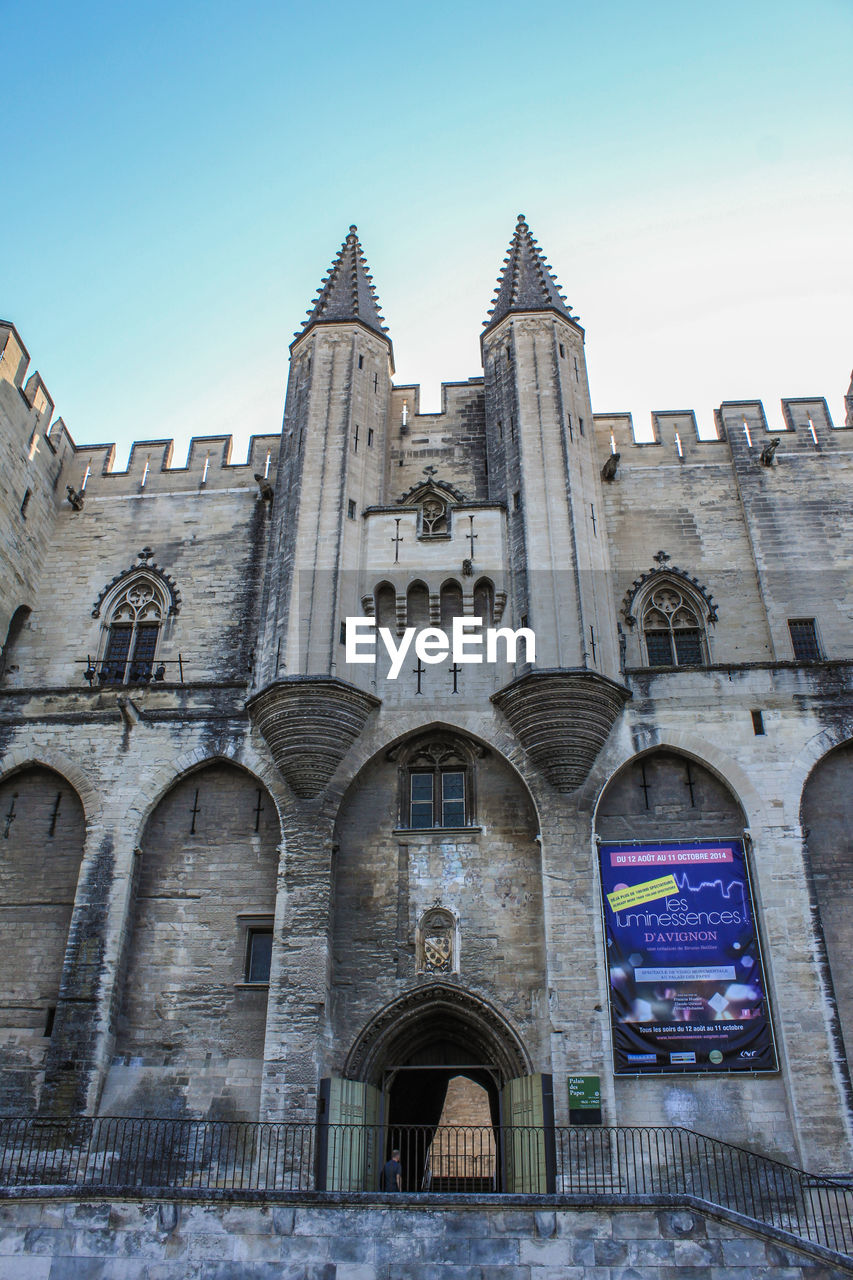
(422, 805)
(114, 664)
(758, 724)
(258, 955)
(453, 799)
(351, 509)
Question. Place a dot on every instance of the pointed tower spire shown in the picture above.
(526, 282)
(346, 292)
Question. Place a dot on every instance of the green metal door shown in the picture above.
(527, 1135)
(349, 1135)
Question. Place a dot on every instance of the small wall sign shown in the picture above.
(584, 1100)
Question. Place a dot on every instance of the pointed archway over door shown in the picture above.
(397, 1075)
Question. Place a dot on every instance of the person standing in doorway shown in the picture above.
(391, 1178)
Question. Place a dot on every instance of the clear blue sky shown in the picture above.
(178, 176)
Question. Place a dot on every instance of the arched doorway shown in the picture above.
(413, 1048)
(397, 1079)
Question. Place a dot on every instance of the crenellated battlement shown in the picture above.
(676, 437)
(90, 468)
(151, 467)
(741, 429)
(35, 404)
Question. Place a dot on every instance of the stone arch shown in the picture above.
(410, 721)
(487, 874)
(42, 831)
(192, 1012)
(385, 604)
(827, 821)
(727, 771)
(692, 800)
(243, 757)
(16, 625)
(805, 763)
(146, 571)
(484, 601)
(57, 762)
(404, 1028)
(417, 604)
(451, 602)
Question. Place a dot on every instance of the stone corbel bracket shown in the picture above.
(562, 718)
(309, 724)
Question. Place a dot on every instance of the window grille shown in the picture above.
(804, 639)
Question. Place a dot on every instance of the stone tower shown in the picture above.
(331, 468)
(543, 467)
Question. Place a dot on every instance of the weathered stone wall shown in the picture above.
(666, 796)
(386, 877)
(34, 461)
(42, 829)
(453, 441)
(828, 829)
(142, 1240)
(768, 542)
(191, 1030)
(800, 518)
(212, 545)
(738, 526)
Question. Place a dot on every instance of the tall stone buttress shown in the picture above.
(330, 469)
(542, 465)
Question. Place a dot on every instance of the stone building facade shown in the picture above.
(234, 863)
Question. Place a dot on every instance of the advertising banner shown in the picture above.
(687, 989)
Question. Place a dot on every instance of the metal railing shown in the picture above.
(146, 1156)
(128, 670)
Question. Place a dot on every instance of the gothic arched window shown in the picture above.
(133, 620)
(434, 521)
(671, 628)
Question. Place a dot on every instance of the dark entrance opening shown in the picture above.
(453, 1150)
(408, 1056)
